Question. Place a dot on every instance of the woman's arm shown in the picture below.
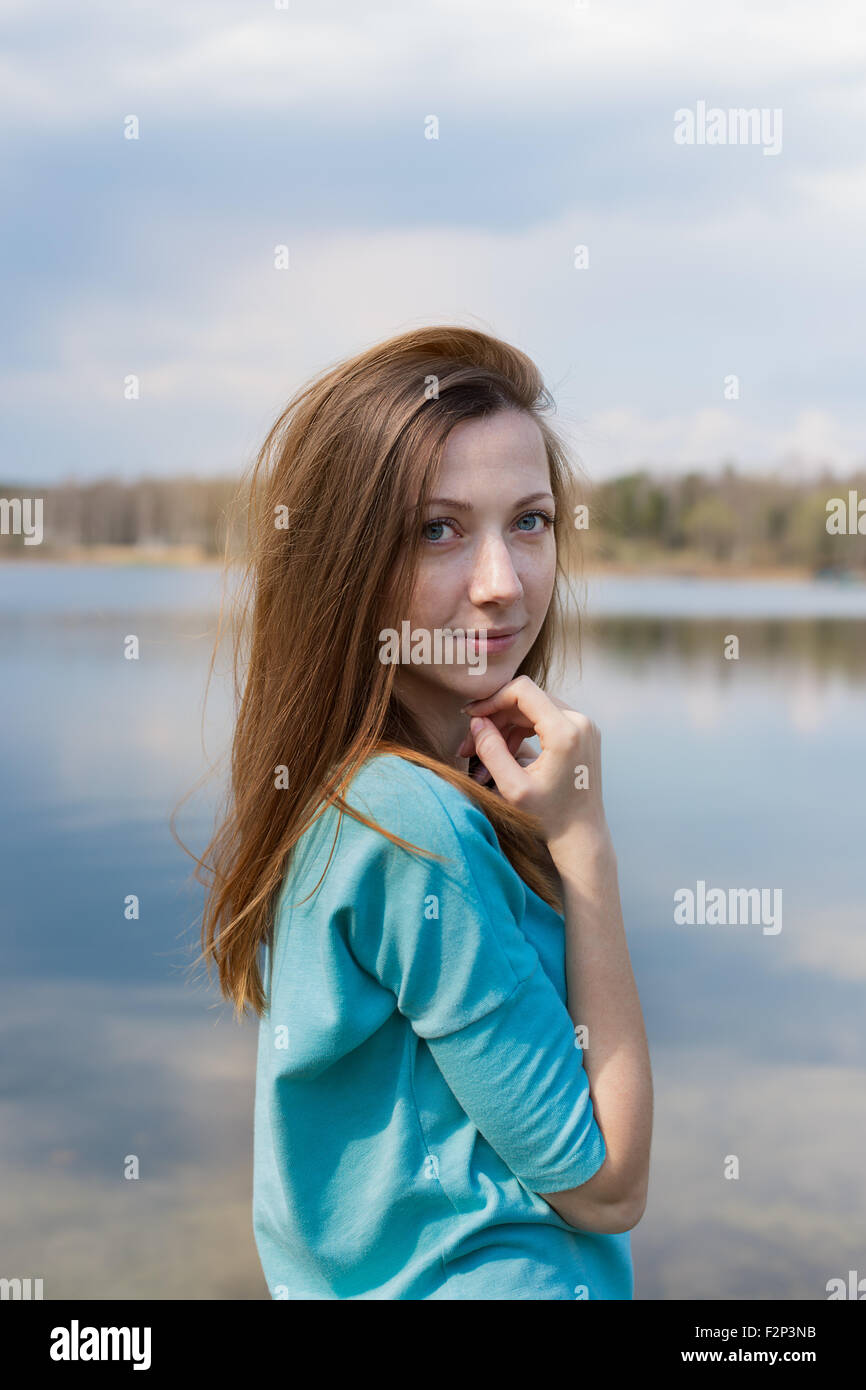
(603, 998)
(602, 995)
(446, 940)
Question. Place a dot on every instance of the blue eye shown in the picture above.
(447, 521)
(545, 516)
(440, 521)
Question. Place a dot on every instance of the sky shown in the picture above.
(306, 126)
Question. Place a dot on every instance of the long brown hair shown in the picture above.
(331, 551)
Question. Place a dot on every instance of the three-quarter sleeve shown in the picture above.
(445, 938)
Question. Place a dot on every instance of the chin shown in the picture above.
(479, 687)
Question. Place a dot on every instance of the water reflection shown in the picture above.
(745, 773)
(767, 646)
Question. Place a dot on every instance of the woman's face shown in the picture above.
(487, 559)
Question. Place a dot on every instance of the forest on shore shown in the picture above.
(730, 522)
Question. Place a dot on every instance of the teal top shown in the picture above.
(418, 1080)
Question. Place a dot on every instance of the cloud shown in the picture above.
(227, 338)
(155, 257)
(204, 59)
(831, 942)
(814, 439)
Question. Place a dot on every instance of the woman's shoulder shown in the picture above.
(411, 800)
(345, 858)
(414, 804)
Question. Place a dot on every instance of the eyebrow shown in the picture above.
(462, 506)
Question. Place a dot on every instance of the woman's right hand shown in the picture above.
(562, 787)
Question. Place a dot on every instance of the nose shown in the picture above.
(494, 578)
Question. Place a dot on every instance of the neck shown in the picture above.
(439, 715)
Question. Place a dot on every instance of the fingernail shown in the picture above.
(476, 724)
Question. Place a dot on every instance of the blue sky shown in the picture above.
(305, 126)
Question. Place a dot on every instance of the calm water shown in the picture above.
(745, 773)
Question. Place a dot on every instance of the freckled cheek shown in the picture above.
(433, 599)
(538, 577)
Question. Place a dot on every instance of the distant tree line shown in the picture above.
(146, 512)
(734, 520)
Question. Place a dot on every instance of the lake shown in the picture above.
(732, 773)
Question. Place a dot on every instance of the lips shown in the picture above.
(491, 633)
(492, 641)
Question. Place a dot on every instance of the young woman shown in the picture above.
(453, 1094)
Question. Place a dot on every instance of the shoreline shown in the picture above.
(658, 566)
(664, 570)
(120, 556)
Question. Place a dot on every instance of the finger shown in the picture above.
(513, 734)
(506, 722)
(515, 741)
(493, 751)
(506, 717)
(519, 748)
(524, 702)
